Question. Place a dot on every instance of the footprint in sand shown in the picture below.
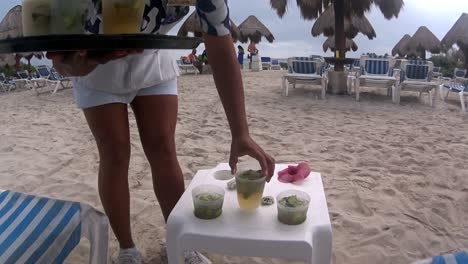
(7, 149)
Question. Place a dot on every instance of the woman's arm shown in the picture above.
(228, 79)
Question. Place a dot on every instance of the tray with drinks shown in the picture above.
(95, 42)
(57, 25)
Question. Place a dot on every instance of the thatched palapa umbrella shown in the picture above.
(330, 44)
(192, 24)
(312, 9)
(252, 29)
(423, 40)
(400, 47)
(7, 59)
(458, 34)
(354, 24)
(11, 26)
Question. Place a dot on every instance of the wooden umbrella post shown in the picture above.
(340, 39)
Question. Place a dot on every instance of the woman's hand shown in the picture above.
(81, 63)
(242, 146)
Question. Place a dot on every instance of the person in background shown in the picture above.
(252, 49)
(192, 57)
(240, 56)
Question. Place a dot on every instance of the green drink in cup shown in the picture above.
(36, 17)
(292, 207)
(122, 16)
(208, 201)
(250, 185)
(69, 17)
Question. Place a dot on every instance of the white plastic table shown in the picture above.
(252, 234)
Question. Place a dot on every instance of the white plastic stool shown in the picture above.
(252, 234)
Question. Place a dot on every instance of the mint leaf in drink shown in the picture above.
(251, 175)
(292, 201)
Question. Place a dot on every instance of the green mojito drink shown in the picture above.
(122, 16)
(36, 17)
(250, 185)
(208, 201)
(292, 207)
(68, 17)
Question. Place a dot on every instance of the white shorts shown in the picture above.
(88, 98)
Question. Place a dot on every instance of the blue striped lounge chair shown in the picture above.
(5, 85)
(437, 72)
(187, 67)
(266, 63)
(376, 72)
(49, 76)
(275, 65)
(24, 80)
(42, 230)
(461, 89)
(460, 257)
(459, 75)
(416, 76)
(305, 70)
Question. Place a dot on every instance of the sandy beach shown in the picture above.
(395, 176)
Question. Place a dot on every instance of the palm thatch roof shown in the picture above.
(423, 40)
(400, 47)
(354, 24)
(11, 25)
(458, 34)
(311, 9)
(330, 44)
(7, 59)
(252, 29)
(192, 24)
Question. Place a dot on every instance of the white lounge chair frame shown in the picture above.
(299, 78)
(416, 85)
(375, 80)
(44, 80)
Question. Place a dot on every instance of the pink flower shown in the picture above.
(294, 173)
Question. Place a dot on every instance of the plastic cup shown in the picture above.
(208, 201)
(36, 17)
(68, 17)
(122, 16)
(250, 185)
(292, 207)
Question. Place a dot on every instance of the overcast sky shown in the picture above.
(293, 37)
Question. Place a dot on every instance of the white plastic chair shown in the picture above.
(252, 234)
(42, 230)
(305, 70)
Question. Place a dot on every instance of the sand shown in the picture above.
(395, 176)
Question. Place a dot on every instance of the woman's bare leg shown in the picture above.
(157, 118)
(109, 125)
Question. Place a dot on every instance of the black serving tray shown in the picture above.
(96, 42)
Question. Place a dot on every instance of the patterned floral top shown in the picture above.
(159, 18)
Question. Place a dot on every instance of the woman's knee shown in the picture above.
(160, 148)
(115, 150)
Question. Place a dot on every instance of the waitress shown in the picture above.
(106, 85)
